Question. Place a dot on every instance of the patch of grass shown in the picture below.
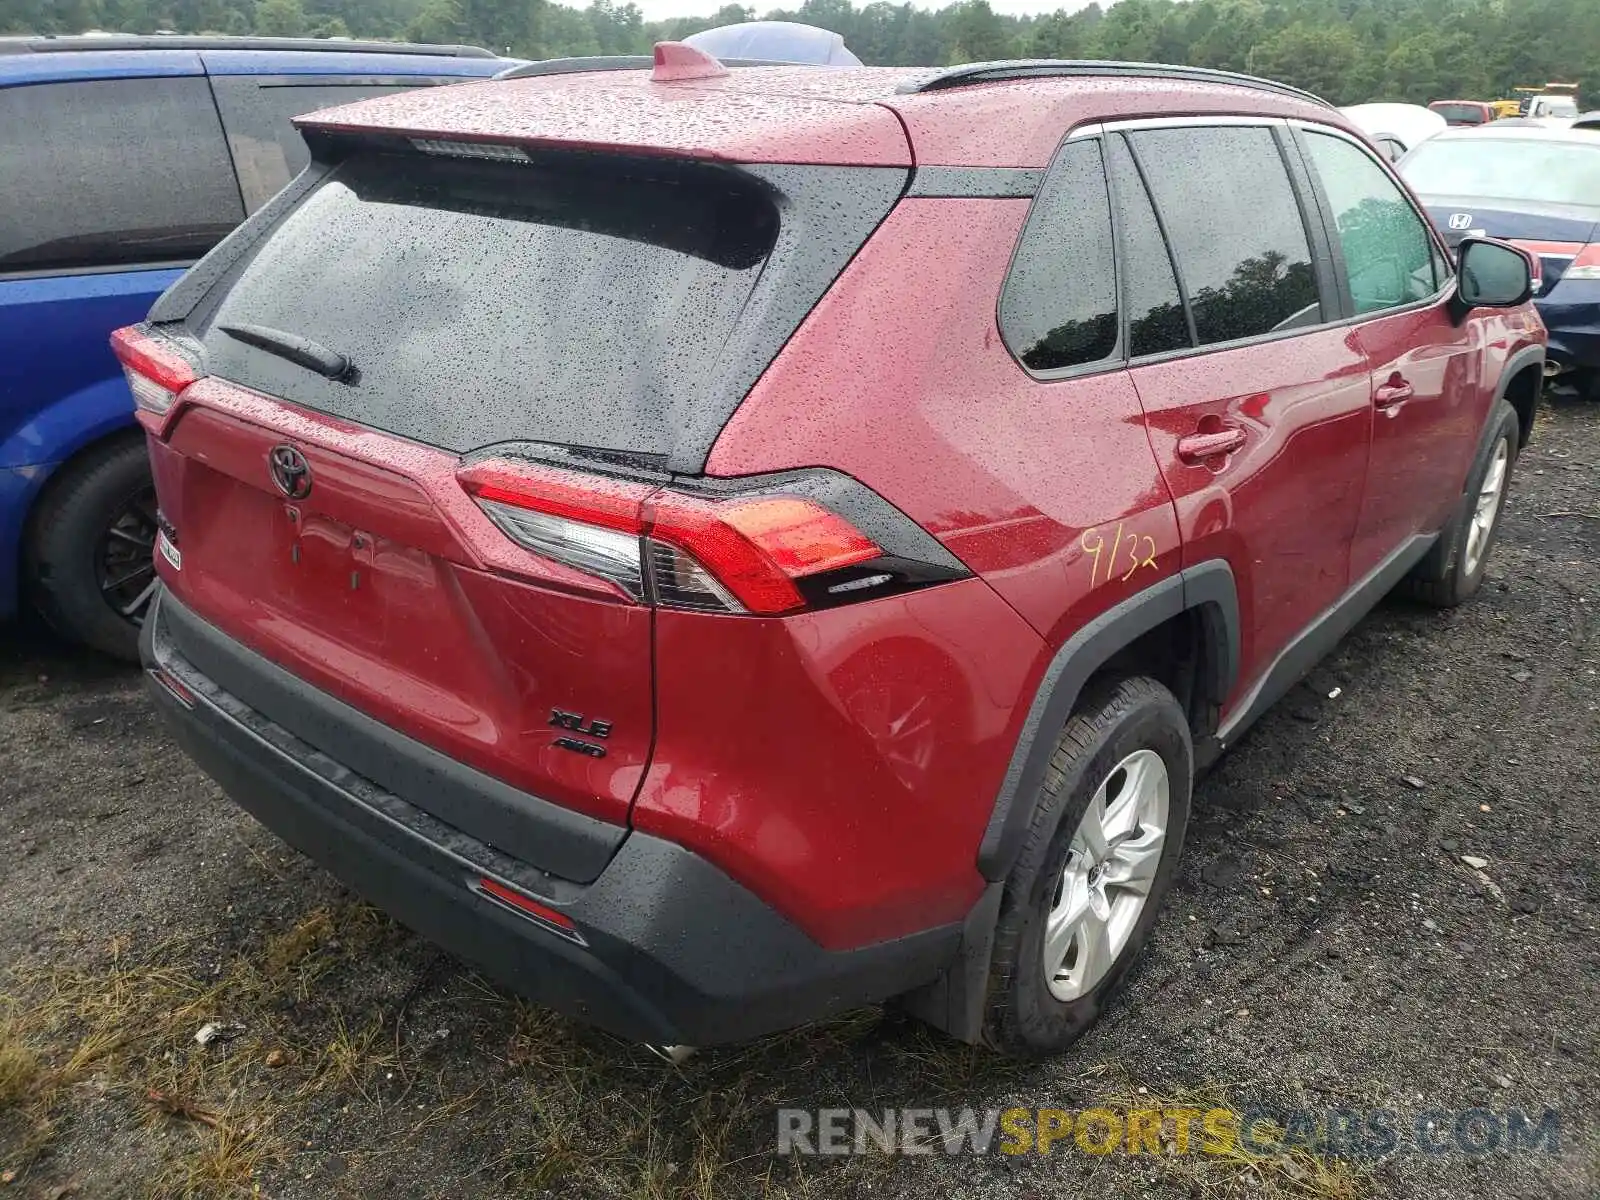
(350, 1059)
(297, 947)
(1267, 1166)
(127, 1022)
(223, 1161)
(19, 1069)
(27, 1088)
(338, 1059)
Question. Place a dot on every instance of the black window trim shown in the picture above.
(1298, 129)
(1327, 265)
(1116, 358)
(1166, 244)
(1321, 255)
(1321, 233)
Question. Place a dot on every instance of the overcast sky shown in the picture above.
(655, 10)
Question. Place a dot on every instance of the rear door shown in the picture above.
(1258, 408)
(496, 324)
(1425, 365)
(111, 188)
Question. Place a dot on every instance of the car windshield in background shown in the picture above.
(477, 302)
(1461, 114)
(1532, 171)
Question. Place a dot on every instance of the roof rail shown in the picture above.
(1030, 68)
(160, 41)
(617, 62)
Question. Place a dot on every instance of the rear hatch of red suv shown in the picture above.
(433, 393)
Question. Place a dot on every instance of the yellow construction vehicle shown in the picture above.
(1551, 100)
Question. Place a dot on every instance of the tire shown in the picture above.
(1117, 721)
(95, 524)
(1453, 570)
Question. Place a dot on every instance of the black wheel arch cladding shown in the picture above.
(1207, 590)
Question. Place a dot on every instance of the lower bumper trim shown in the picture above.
(670, 951)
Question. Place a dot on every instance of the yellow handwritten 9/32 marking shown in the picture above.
(1126, 545)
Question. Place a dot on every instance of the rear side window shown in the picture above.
(1156, 320)
(112, 172)
(1235, 228)
(1059, 307)
(268, 150)
(576, 303)
(1388, 253)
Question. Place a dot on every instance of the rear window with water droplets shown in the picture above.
(577, 303)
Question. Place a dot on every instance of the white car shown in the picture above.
(1395, 128)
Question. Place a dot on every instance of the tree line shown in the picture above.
(1345, 50)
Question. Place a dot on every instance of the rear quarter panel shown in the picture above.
(900, 379)
(1049, 492)
(1507, 333)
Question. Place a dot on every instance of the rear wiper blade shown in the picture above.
(301, 351)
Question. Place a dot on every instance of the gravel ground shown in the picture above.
(1326, 946)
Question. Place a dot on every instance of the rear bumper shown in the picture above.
(674, 951)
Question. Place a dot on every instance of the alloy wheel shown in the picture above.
(1111, 867)
(125, 558)
(1487, 507)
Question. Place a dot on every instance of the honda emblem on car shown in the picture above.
(1460, 220)
(290, 471)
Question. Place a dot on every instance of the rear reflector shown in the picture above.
(157, 372)
(656, 545)
(527, 906)
(173, 685)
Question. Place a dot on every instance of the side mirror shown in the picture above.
(1491, 274)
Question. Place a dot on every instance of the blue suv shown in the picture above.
(125, 159)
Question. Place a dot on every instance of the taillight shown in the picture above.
(1586, 265)
(738, 554)
(756, 548)
(157, 371)
(587, 522)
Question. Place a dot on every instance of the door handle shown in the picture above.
(1198, 447)
(1396, 391)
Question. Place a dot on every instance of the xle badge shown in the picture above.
(576, 722)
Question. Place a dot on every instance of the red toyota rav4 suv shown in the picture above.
(720, 546)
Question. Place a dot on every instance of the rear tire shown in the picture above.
(89, 548)
(1454, 569)
(1052, 971)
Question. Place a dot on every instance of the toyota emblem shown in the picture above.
(290, 471)
(1460, 220)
